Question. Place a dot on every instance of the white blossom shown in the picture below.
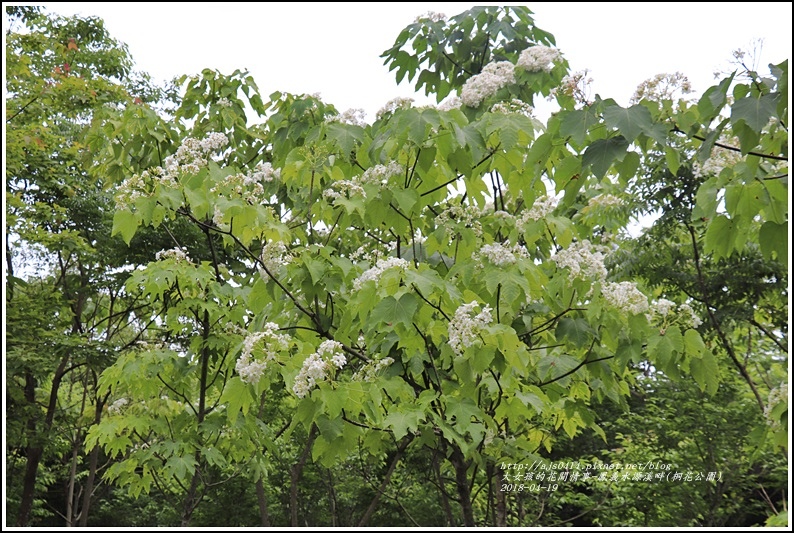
(317, 367)
(466, 215)
(274, 255)
(513, 106)
(432, 16)
(354, 117)
(605, 201)
(177, 254)
(541, 208)
(453, 102)
(625, 296)
(224, 102)
(116, 407)
(464, 328)
(370, 371)
(499, 254)
(576, 85)
(663, 86)
(374, 273)
(393, 105)
(719, 159)
(248, 366)
(485, 84)
(538, 58)
(583, 259)
(777, 395)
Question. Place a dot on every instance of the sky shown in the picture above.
(334, 48)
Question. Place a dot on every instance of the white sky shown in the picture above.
(334, 48)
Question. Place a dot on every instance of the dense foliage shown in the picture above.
(266, 304)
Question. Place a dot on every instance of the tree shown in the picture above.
(446, 286)
(65, 321)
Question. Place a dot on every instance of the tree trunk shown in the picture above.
(443, 492)
(462, 485)
(93, 461)
(386, 479)
(294, 476)
(501, 500)
(261, 499)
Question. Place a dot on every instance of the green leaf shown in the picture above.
(755, 112)
(346, 136)
(774, 239)
(693, 343)
(391, 310)
(720, 237)
(401, 422)
(237, 397)
(706, 372)
(576, 124)
(126, 223)
(600, 155)
(576, 330)
(553, 366)
(631, 122)
(672, 158)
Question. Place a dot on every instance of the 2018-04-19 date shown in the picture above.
(532, 487)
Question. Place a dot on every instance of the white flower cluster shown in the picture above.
(538, 58)
(453, 102)
(393, 105)
(467, 215)
(492, 78)
(541, 208)
(662, 87)
(583, 259)
(625, 296)
(719, 159)
(604, 202)
(500, 255)
(369, 371)
(354, 117)
(777, 395)
(116, 407)
(576, 85)
(273, 256)
(432, 16)
(317, 366)
(465, 326)
(177, 254)
(665, 310)
(224, 102)
(513, 106)
(374, 273)
(251, 369)
(378, 175)
(189, 158)
(249, 185)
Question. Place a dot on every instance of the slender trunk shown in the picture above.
(93, 462)
(261, 499)
(386, 479)
(295, 474)
(332, 498)
(462, 485)
(192, 498)
(70, 486)
(35, 438)
(501, 500)
(443, 493)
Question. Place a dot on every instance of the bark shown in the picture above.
(261, 499)
(386, 480)
(295, 474)
(93, 462)
(462, 484)
(443, 493)
(501, 500)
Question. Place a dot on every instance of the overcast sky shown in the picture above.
(334, 48)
